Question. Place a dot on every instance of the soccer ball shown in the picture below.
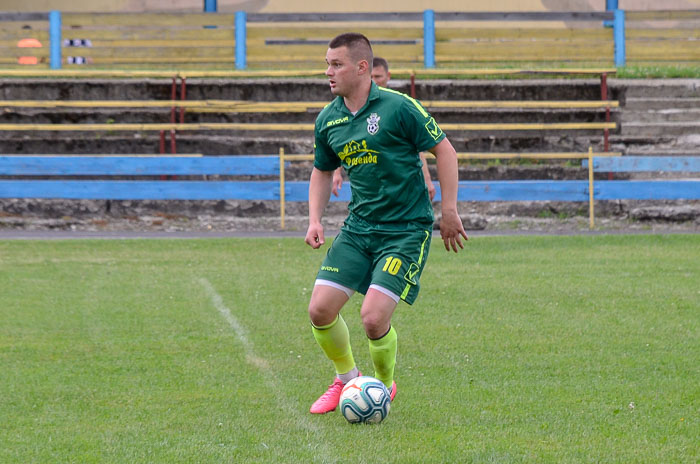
(365, 400)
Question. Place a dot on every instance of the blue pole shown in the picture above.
(210, 6)
(55, 39)
(619, 34)
(240, 39)
(610, 5)
(429, 38)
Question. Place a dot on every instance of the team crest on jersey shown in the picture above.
(373, 123)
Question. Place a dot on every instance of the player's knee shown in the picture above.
(375, 325)
(325, 304)
(317, 315)
(320, 313)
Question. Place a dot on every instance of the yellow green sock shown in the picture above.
(334, 340)
(383, 353)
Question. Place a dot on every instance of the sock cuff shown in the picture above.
(326, 327)
(379, 339)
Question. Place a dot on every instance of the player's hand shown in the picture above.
(337, 182)
(452, 230)
(431, 190)
(314, 236)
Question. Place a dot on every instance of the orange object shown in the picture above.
(29, 43)
(28, 60)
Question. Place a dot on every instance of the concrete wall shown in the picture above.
(286, 6)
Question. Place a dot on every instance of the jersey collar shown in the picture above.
(373, 95)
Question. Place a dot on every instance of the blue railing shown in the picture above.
(270, 165)
(273, 190)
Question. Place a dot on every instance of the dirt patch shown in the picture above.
(264, 217)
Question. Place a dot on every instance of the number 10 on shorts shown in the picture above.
(392, 265)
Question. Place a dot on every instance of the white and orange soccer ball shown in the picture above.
(365, 400)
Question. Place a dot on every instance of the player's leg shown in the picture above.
(377, 308)
(345, 268)
(329, 328)
(334, 339)
(400, 259)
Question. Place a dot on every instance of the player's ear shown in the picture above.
(362, 66)
(388, 75)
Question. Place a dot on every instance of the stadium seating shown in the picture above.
(114, 45)
(499, 118)
(190, 41)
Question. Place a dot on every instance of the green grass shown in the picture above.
(520, 349)
(661, 71)
(632, 71)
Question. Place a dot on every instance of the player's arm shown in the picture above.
(319, 195)
(451, 228)
(426, 175)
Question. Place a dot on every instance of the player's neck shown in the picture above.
(356, 100)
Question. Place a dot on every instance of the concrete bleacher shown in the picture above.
(456, 105)
(652, 117)
(548, 101)
(660, 118)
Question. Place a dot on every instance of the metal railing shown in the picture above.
(589, 157)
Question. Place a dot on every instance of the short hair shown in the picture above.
(358, 45)
(381, 62)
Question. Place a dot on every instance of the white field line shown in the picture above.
(321, 451)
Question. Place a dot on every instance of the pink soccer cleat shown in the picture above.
(329, 400)
(392, 394)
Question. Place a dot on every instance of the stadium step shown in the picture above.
(14, 115)
(677, 128)
(221, 143)
(653, 103)
(653, 114)
(658, 88)
(668, 114)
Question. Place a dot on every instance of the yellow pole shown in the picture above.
(282, 187)
(591, 213)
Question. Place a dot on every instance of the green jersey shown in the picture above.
(378, 147)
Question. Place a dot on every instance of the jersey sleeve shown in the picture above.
(420, 126)
(324, 157)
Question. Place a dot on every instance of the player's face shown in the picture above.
(342, 71)
(380, 76)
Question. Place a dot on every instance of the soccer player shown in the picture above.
(380, 76)
(375, 134)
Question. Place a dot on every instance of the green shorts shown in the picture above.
(390, 256)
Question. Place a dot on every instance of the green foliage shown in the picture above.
(519, 349)
(666, 71)
(549, 214)
(628, 72)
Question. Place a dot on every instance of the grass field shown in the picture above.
(520, 349)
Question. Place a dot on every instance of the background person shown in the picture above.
(381, 250)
